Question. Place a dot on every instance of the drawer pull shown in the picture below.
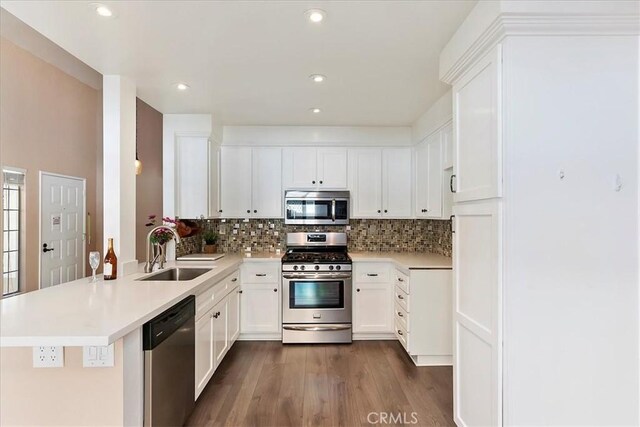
(260, 274)
(400, 279)
(400, 314)
(400, 332)
(275, 290)
(400, 297)
(372, 274)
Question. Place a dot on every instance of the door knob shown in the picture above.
(45, 249)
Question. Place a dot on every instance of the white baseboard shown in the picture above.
(433, 360)
(260, 337)
(374, 337)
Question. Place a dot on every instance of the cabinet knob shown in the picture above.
(378, 210)
(385, 211)
(320, 182)
(220, 210)
(400, 314)
(313, 182)
(275, 290)
(240, 291)
(248, 210)
(255, 211)
(400, 332)
(358, 290)
(400, 297)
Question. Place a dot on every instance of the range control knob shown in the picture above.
(295, 267)
(338, 267)
(331, 267)
(302, 267)
(317, 267)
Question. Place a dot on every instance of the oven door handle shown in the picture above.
(317, 328)
(316, 276)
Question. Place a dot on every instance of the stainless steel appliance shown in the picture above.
(316, 207)
(169, 365)
(316, 282)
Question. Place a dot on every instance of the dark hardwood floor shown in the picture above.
(271, 384)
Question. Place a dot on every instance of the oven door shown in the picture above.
(316, 298)
(316, 211)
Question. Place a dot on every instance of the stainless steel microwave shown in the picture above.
(316, 207)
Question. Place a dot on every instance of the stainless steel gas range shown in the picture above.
(316, 282)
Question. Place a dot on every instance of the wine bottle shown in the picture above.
(110, 268)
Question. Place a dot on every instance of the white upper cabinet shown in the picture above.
(396, 182)
(236, 182)
(214, 182)
(380, 182)
(192, 167)
(332, 168)
(365, 182)
(266, 189)
(429, 177)
(314, 168)
(477, 130)
(447, 146)
(251, 182)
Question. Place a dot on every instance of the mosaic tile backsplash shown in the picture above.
(381, 235)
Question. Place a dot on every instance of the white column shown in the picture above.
(119, 135)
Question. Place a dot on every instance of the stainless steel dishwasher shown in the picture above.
(169, 365)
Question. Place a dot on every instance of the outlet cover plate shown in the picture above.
(48, 357)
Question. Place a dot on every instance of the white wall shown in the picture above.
(437, 115)
(571, 338)
(317, 135)
(173, 124)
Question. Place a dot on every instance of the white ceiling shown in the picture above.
(248, 62)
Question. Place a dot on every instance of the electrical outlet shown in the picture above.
(97, 356)
(48, 357)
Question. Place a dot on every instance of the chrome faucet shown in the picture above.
(148, 266)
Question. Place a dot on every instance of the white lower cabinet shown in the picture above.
(422, 315)
(372, 298)
(260, 301)
(216, 327)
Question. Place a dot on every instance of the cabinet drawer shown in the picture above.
(402, 281)
(401, 298)
(206, 300)
(260, 272)
(402, 317)
(402, 335)
(371, 272)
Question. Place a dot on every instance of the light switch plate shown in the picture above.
(48, 357)
(97, 356)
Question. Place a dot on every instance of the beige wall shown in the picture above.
(149, 183)
(68, 396)
(49, 121)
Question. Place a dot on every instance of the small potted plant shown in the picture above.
(210, 239)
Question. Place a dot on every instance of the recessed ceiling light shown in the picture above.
(315, 15)
(102, 10)
(315, 110)
(317, 78)
(182, 86)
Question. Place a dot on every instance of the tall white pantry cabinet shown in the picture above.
(545, 243)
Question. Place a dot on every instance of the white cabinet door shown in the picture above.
(332, 168)
(422, 179)
(434, 179)
(192, 176)
(204, 351)
(266, 188)
(214, 183)
(236, 182)
(477, 318)
(260, 308)
(365, 182)
(373, 308)
(299, 168)
(447, 146)
(233, 314)
(396, 182)
(220, 338)
(477, 147)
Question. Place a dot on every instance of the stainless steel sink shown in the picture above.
(176, 274)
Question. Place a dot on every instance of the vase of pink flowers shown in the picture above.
(161, 237)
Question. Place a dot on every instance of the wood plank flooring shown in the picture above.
(271, 384)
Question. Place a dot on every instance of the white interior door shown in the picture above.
(62, 217)
(477, 330)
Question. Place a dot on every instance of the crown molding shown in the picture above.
(511, 24)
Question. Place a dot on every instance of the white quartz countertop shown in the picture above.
(82, 313)
(407, 260)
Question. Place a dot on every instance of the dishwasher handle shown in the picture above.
(156, 330)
